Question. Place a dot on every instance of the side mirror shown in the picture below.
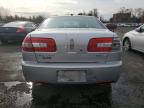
(111, 26)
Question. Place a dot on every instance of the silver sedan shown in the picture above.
(134, 39)
(72, 50)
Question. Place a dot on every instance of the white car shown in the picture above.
(134, 39)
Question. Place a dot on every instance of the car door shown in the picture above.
(138, 39)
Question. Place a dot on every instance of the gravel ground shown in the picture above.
(128, 92)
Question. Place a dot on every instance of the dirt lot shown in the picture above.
(128, 92)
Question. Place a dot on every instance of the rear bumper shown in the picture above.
(96, 73)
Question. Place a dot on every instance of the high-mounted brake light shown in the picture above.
(100, 45)
(34, 44)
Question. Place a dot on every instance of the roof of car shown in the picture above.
(20, 22)
(16, 23)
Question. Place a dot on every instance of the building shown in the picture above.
(121, 17)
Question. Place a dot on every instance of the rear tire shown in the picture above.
(127, 44)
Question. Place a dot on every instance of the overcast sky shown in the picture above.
(60, 7)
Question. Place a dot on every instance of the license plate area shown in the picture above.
(69, 76)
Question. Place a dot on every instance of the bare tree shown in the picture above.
(82, 13)
(138, 12)
(122, 10)
(125, 10)
(93, 12)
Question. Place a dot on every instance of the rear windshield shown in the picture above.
(14, 24)
(72, 22)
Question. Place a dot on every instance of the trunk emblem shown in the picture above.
(71, 44)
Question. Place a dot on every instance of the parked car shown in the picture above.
(71, 50)
(134, 39)
(15, 31)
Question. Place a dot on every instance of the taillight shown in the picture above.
(19, 30)
(100, 45)
(116, 44)
(34, 44)
(104, 44)
(27, 45)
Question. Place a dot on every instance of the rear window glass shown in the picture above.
(14, 24)
(72, 22)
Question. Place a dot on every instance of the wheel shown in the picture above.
(127, 44)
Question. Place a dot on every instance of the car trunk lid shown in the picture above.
(71, 45)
